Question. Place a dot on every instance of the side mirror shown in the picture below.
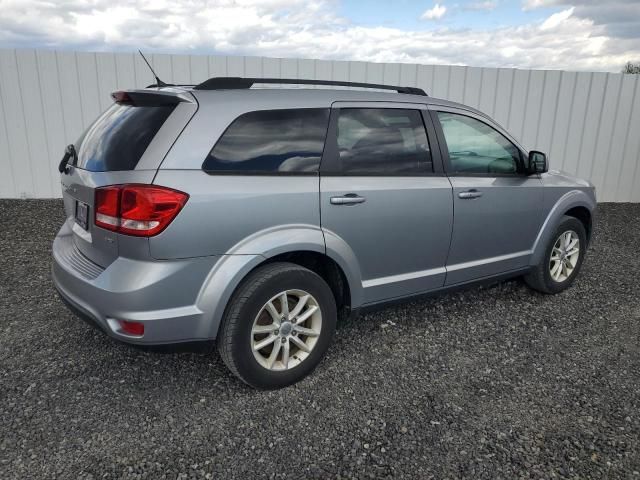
(537, 162)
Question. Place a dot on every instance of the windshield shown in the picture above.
(119, 137)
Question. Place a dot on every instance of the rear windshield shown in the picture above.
(119, 137)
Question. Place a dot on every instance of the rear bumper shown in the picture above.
(195, 346)
(161, 294)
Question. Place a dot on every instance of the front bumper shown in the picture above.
(161, 294)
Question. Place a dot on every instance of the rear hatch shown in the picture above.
(125, 145)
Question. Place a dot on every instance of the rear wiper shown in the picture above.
(69, 154)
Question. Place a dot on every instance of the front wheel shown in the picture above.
(562, 259)
(278, 325)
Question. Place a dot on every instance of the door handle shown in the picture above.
(348, 199)
(470, 194)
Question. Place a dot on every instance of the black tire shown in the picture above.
(234, 337)
(540, 278)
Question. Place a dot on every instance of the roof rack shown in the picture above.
(235, 83)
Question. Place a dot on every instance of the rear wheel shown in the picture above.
(562, 260)
(278, 325)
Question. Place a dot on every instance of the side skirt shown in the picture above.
(372, 307)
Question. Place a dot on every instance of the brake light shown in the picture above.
(122, 98)
(139, 210)
(108, 207)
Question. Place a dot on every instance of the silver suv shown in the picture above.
(256, 217)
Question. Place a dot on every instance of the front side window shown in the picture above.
(382, 141)
(271, 141)
(475, 147)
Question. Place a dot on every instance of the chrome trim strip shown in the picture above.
(485, 261)
(403, 277)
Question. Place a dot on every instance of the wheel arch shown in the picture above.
(324, 266)
(585, 216)
(574, 203)
(303, 246)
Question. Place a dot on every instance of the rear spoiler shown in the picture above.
(146, 98)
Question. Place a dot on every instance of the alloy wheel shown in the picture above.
(564, 256)
(286, 330)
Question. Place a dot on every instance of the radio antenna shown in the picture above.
(159, 83)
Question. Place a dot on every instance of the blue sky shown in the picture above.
(549, 34)
(405, 14)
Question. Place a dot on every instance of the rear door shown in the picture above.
(497, 206)
(384, 197)
(124, 145)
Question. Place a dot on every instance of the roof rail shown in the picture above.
(234, 83)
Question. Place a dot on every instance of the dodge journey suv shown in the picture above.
(255, 218)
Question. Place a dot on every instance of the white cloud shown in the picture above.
(532, 4)
(556, 19)
(305, 29)
(435, 13)
(620, 18)
(487, 5)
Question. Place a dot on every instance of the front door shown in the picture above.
(497, 207)
(384, 197)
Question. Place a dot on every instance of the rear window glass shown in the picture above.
(119, 137)
(271, 141)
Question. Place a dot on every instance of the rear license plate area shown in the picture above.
(82, 214)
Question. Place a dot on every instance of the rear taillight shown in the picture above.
(108, 207)
(140, 210)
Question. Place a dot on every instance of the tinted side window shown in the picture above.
(271, 141)
(475, 147)
(383, 141)
(119, 137)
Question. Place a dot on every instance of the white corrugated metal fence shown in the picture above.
(588, 123)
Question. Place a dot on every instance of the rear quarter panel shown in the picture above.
(230, 214)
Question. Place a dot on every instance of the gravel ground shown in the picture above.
(491, 382)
